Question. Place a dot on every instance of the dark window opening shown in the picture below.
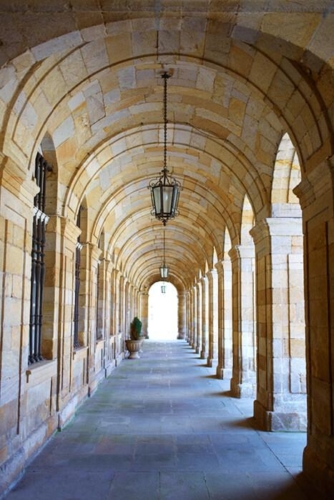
(40, 221)
(76, 340)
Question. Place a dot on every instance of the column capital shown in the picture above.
(284, 226)
(65, 227)
(95, 251)
(203, 280)
(242, 252)
(219, 266)
(317, 186)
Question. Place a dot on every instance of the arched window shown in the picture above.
(40, 221)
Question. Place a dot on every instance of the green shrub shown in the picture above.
(135, 329)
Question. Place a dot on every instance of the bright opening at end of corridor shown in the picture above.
(162, 321)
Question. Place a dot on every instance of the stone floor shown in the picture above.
(164, 428)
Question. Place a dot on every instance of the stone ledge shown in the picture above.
(80, 353)
(41, 371)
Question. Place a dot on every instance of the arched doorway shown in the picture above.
(163, 318)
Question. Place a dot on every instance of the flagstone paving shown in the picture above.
(162, 427)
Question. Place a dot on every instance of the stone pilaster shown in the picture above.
(121, 304)
(189, 316)
(128, 312)
(281, 401)
(198, 335)
(143, 308)
(316, 198)
(115, 279)
(194, 317)
(243, 382)
(93, 254)
(182, 296)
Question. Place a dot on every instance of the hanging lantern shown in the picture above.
(164, 269)
(165, 190)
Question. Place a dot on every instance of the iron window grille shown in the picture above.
(40, 221)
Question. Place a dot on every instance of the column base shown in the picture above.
(211, 361)
(318, 474)
(224, 373)
(245, 390)
(273, 421)
(203, 355)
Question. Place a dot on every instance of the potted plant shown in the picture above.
(134, 343)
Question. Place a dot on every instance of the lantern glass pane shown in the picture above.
(157, 199)
(175, 200)
(164, 272)
(167, 199)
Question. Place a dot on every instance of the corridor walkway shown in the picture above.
(164, 428)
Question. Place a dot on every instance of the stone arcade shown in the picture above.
(250, 137)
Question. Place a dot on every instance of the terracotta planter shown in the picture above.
(134, 347)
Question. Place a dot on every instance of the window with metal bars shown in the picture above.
(40, 221)
(99, 328)
(78, 248)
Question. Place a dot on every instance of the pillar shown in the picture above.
(188, 316)
(243, 382)
(182, 296)
(198, 338)
(143, 308)
(280, 402)
(212, 318)
(224, 306)
(316, 198)
(194, 317)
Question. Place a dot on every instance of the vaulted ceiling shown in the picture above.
(82, 80)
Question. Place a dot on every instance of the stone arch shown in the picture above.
(287, 175)
(247, 222)
(279, 243)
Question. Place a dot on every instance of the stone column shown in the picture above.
(119, 315)
(204, 317)
(104, 298)
(212, 317)
(224, 369)
(243, 382)
(193, 319)
(121, 304)
(188, 316)
(93, 253)
(281, 402)
(182, 296)
(108, 296)
(220, 318)
(316, 198)
(108, 308)
(115, 301)
(69, 233)
(143, 308)
(198, 336)
(128, 307)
